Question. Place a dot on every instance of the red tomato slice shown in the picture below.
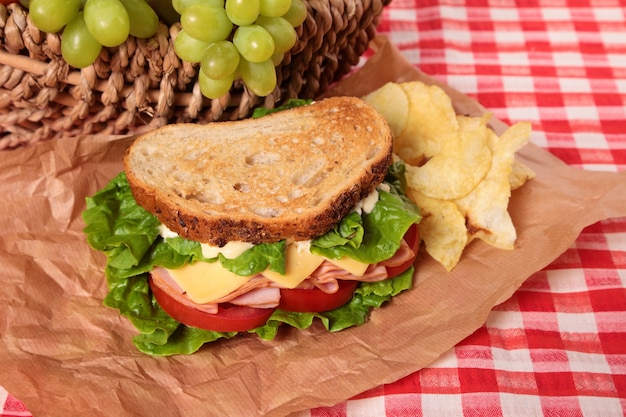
(412, 238)
(316, 300)
(7, 2)
(229, 318)
(234, 318)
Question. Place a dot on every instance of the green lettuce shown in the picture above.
(291, 103)
(385, 226)
(129, 236)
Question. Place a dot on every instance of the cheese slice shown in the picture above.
(298, 265)
(351, 265)
(204, 282)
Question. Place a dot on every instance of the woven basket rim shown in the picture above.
(41, 97)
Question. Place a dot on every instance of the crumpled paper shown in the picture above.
(63, 353)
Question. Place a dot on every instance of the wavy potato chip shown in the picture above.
(461, 163)
(391, 101)
(458, 171)
(486, 207)
(431, 121)
(442, 228)
(519, 175)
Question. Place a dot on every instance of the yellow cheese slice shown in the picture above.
(204, 282)
(299, 265)
(351, 265)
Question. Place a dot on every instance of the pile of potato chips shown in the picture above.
(459, 172)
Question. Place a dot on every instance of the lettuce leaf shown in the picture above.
(257, 259)
(118, 226)
(129, 236)
(375, 238)
(291, 103)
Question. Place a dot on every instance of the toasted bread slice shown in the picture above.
(289, 175)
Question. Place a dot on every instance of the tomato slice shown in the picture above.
(316, 300)
(229, 318)
(234, 318)
(412, 238)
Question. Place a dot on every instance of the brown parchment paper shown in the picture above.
(63, 353)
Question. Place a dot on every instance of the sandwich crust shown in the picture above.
(289, 175)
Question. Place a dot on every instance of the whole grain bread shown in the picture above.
(289, 175)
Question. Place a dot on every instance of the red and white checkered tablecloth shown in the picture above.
(558, 346)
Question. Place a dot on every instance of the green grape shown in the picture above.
(51, 15)
(206, 23)
(165, 10)
(260, 78)
(219, 60)
(274, 8)
(188, 48)
(243, 12)
(283, 34)
(181, 5)
(254, 43)
(143, 19)
(78, 47)
(108, 21)
(297, 13)
(214, 88)
(277, 58)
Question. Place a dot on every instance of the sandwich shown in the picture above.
(234, 227)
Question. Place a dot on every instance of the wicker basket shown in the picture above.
(142, 84)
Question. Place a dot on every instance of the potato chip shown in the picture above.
(458, 171)
(459, 166)
(442, 228)
(486, 208)
(430, 121)
(391, 101)
(519, 175)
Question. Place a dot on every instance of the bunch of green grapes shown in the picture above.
(233, 39)
(88, 25)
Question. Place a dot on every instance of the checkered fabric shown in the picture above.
(558, 346)
(11, 406)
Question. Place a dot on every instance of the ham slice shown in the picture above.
(257, 282)
(261, 292)
(264, 297)
(402, 255)
(162, 278)
(326, 275)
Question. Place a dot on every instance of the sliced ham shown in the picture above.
(326, 275)
(162, 278)
(264, 297)
(261, 292)
(403, 254)
(258, 281)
